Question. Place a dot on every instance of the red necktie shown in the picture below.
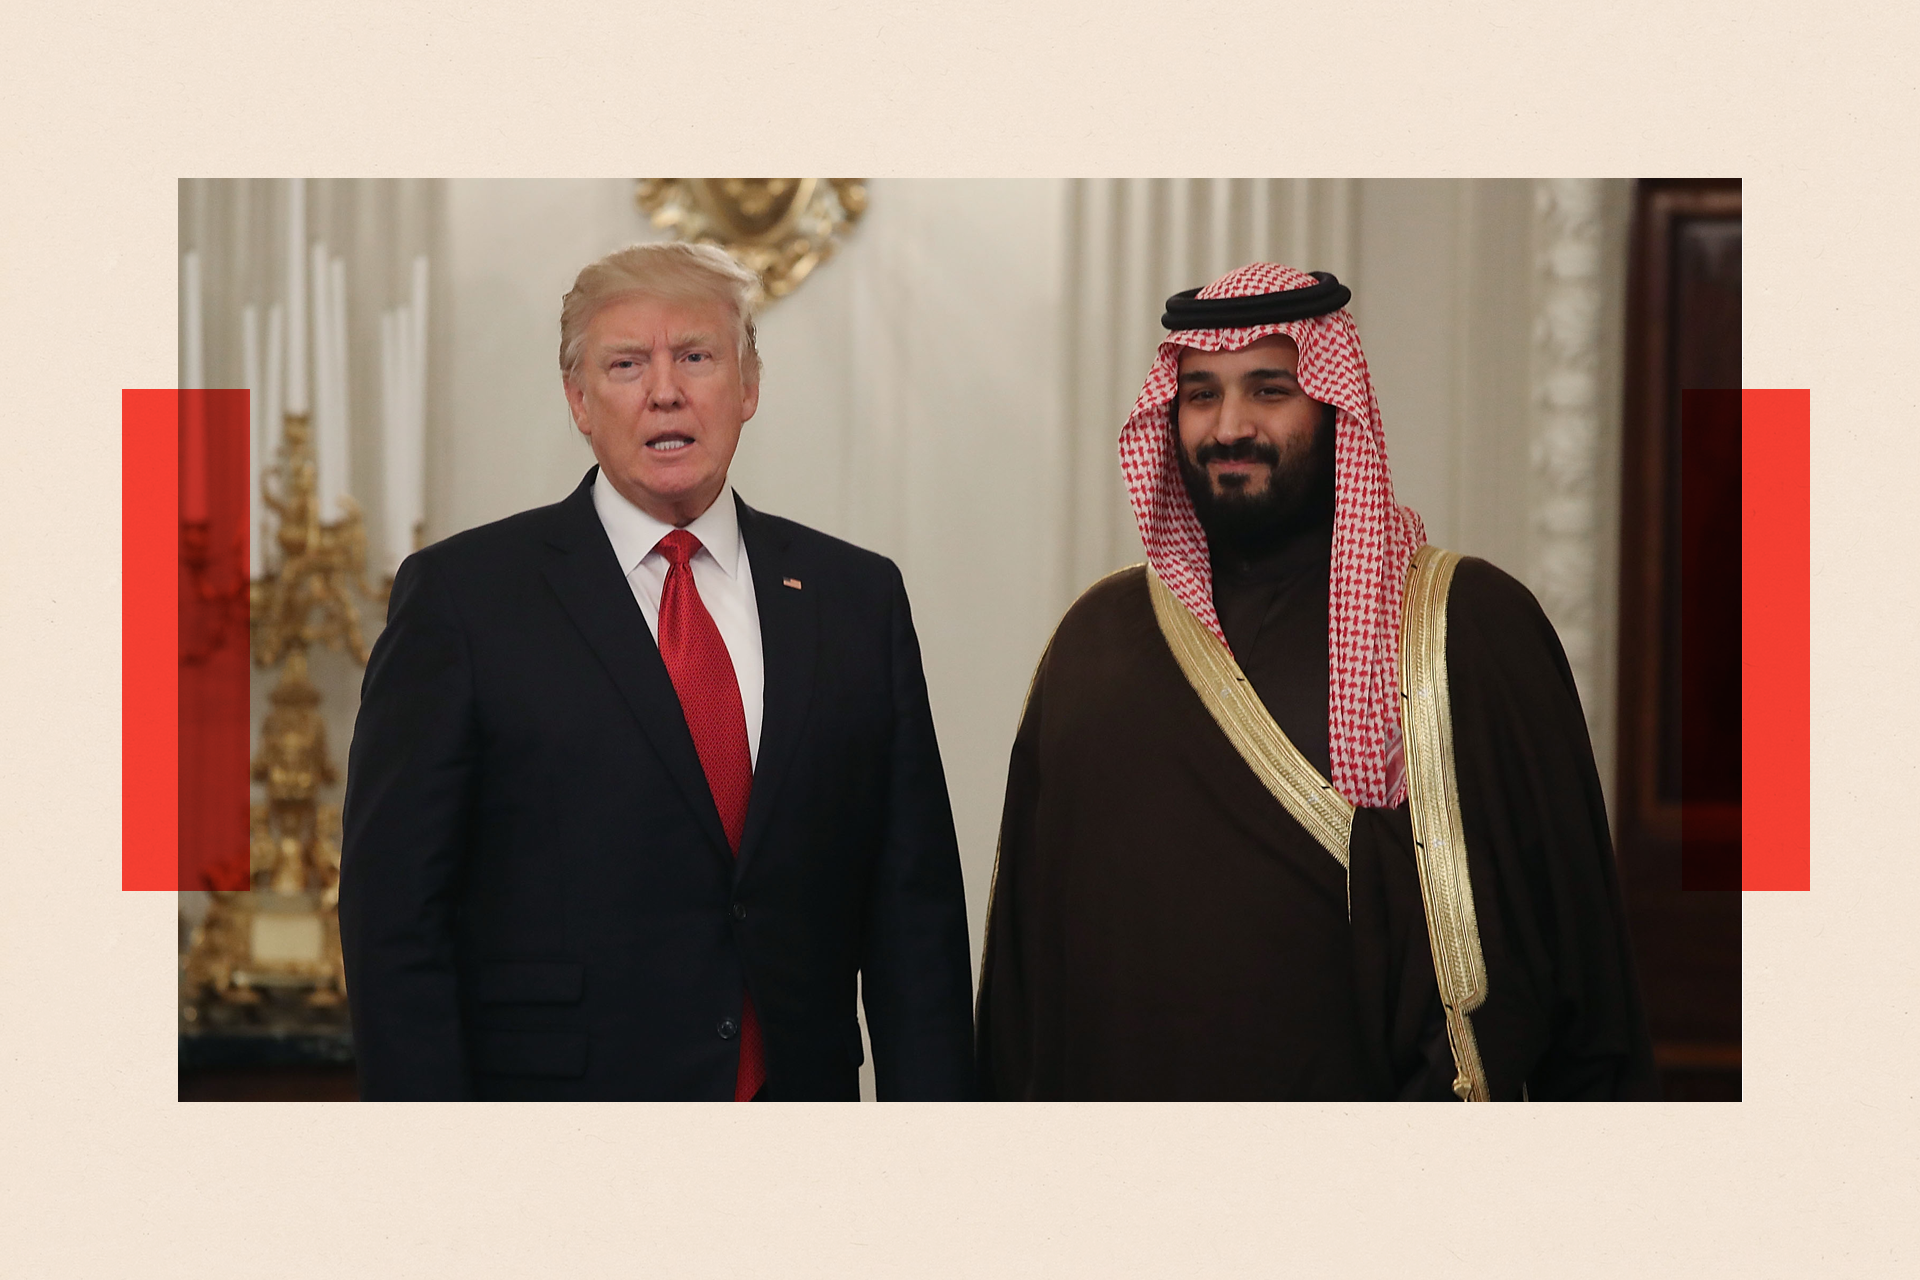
(702, 673)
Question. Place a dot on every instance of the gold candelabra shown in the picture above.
(283, 933)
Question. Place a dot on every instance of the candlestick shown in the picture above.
(304, 600)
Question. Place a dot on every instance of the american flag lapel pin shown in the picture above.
(790, 582)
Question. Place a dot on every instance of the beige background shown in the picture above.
(108, 1175)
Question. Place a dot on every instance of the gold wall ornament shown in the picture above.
(779, 228)
(278, 942)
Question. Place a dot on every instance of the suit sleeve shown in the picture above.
(916, 978)
(410, 778)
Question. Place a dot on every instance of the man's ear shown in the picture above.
(750, 402)
(576, 403)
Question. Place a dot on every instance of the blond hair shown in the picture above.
(670, 272)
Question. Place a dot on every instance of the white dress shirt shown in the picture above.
(720, 572)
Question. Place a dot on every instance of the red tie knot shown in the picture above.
(678, 547)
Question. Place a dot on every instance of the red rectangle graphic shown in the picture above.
(149, 639)
(184, 645)
(1776, 694)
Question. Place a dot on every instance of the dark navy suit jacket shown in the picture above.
(536, 896)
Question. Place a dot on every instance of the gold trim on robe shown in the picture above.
(1433, 800)
(1250, 727)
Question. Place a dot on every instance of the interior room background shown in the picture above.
(947, 389)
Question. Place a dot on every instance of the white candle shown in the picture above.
(296, 296)
(417, 371)
(386, 367)
(193, 482)
(388, 372)
(276, 404)
(393, 435)
(414, 455)
(256, 431)
(192, 372)
(341, 458)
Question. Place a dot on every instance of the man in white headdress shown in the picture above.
(1302, 807)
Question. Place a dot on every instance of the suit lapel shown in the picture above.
(585, 575)
(789, 635)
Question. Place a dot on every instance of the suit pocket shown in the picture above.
(529, 982)
(856, 1052)
(531, 1053)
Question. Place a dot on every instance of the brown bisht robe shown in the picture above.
(1162, 928)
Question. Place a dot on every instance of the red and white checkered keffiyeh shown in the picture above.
(1374, 537)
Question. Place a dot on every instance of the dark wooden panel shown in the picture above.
(1678, 766)
(1706, 720)
(306, 1061)
(270, 1084)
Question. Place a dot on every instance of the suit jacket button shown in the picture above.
(728, 1028)
(739, 911)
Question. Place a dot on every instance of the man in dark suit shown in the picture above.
(644, 781)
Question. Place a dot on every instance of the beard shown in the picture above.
(1298, 494)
